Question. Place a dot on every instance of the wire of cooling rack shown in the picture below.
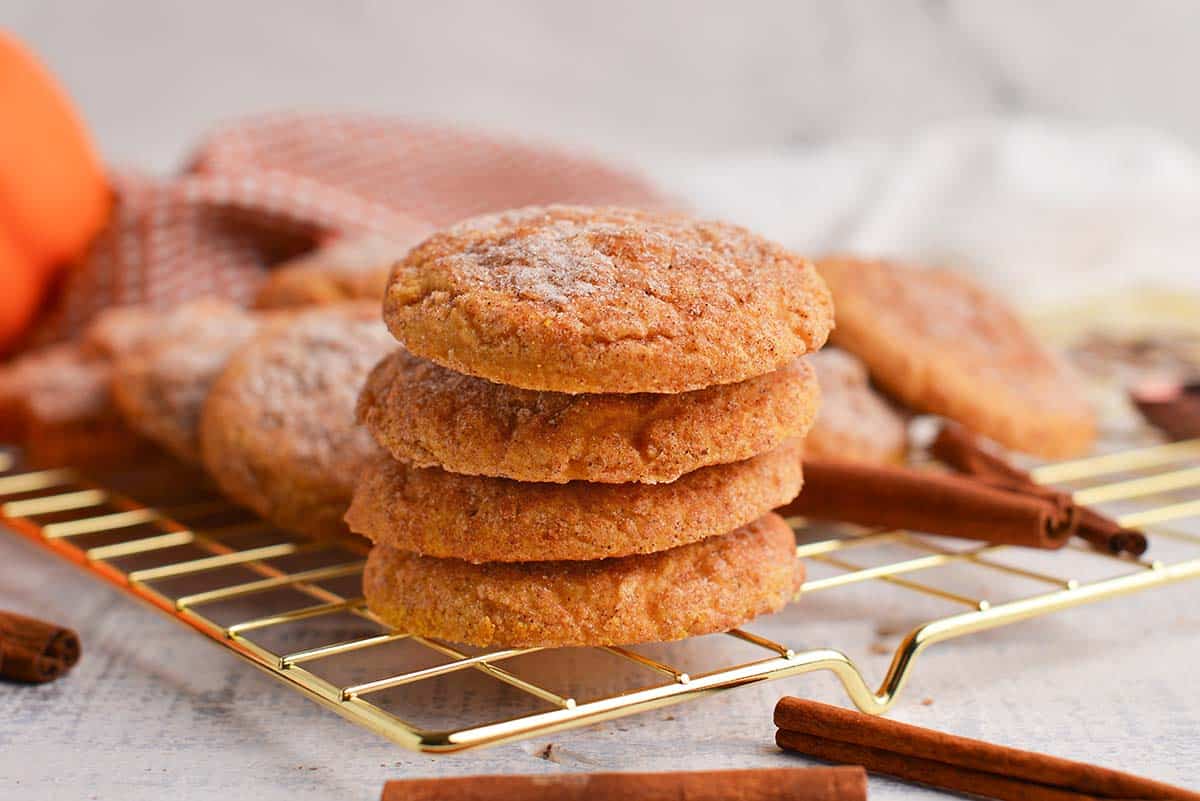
(154, 551)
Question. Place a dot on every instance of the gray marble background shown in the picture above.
(631, 78)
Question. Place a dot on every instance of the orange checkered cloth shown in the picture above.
(263, 190)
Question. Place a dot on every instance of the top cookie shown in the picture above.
(941, 344)
(575, 299)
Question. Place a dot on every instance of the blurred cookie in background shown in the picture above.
(854, 421)
(55, 404)
(135, 372)
(349, 268)
(170, 361)
(278, 433)
(941, 344)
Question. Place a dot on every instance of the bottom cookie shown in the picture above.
(700, 588)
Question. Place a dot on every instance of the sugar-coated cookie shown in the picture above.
(577, 299)
(278, 432)
(939, 343)
(705, 587)
(855, 422)
(430, 416)
(481, 519)
(160, 382)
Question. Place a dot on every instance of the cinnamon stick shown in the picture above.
(953, 763)
(769, 784)
(897, 497)
(33, 651)
(958, 448)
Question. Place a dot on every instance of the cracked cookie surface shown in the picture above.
(605, 300)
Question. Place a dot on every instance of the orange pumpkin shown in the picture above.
(53, 192)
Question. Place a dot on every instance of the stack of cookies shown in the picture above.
(593, 414)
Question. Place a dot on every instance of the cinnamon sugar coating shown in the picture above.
(278, 433)
(430, 416)
(480, 519)
(705, 587)
(855, 422)
(576, 299)
(355, 268)
(939, 343)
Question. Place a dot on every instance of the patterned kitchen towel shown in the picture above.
(262, 190)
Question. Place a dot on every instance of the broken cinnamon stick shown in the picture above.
(958, 448)
(769, 784)
(934, 503)
(950, 762)
(33, 651)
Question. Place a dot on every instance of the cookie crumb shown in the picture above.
(926, 702)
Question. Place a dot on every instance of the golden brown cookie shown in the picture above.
(430, 416)
(355, 268)
(939, 343)
(855, 422)
(576, 299)
(481, 519)
(705, 587)
(161, 382)
(278, 433)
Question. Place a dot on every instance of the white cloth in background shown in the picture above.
(1044, 213)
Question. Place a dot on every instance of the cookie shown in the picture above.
(349, 269)
(278, 432)
(430, 416)
(55, 403)
(576, 299)
(480, 519)
(160, 384)
(709, 586)
(939, 343)
(855, 422)
(126, 330)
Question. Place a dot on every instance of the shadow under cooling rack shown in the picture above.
(293, 607)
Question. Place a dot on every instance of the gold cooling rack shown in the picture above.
(292, 607)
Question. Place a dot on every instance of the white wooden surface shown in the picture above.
(156, 711)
